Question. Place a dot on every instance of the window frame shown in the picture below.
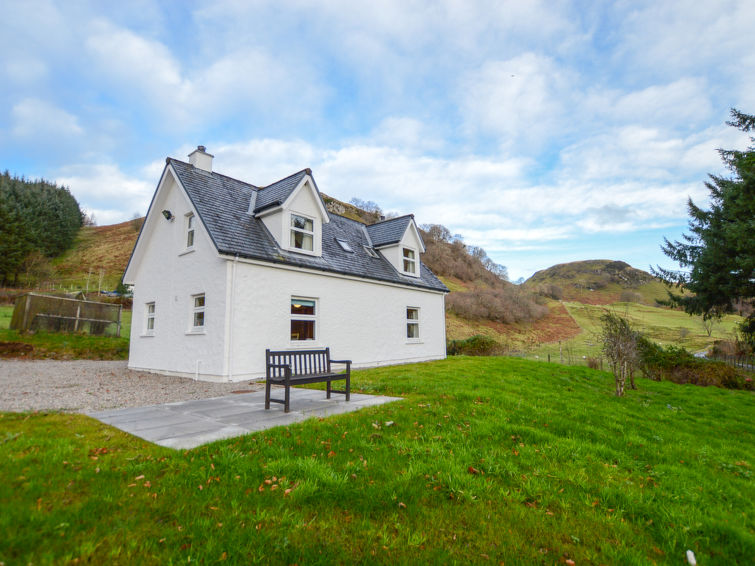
(304, 318)
(191, 230)
(413, 322)
(292, 230)
(411, 261)
(195, 310)
(149, 318)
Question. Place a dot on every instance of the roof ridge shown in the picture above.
(255, 187)
(392, 219)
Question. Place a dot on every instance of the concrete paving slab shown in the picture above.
(188, 424)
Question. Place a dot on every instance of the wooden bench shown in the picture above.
(297, 367)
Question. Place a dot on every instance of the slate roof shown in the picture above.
(223, 206)
(390, 231)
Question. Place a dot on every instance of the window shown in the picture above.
(190, 230)
(302, 232)
(303, 319)
(410, 263)
(412, 323)
(150, 319)
(344, 245)
(370, 251)
(197, 320)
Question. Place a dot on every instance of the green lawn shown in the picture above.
(486, 460)
(661, 325)
(68, 345)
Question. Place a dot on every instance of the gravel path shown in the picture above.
(85, 385)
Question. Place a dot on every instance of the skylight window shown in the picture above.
(344, 245)
(371, 252)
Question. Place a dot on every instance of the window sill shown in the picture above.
(304, 344)
(414, 342)
(303, 252)
(196, 332)
(147, 335)
(186, 251)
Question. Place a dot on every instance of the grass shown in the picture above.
(66, 346)
(486, 460)
(661, 325)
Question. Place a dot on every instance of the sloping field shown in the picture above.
(487, 460)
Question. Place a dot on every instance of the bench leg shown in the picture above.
(328, 397)
(267, 395)
(348, 386)
(288, 399)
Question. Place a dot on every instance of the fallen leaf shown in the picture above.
(402, 505)
(473, 470)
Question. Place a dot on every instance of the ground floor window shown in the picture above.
(149, 326)
(412, 323)
(197, 321)
(303, 319)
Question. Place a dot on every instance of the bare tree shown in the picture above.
(620, 347)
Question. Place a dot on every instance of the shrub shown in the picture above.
(477, 345)
(676, 364)
(507, 305)
(630, 297)
(593, 363)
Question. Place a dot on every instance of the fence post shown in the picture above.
(549, 358)
(560, 352)
(78, 314)
(118, 331)
(26, 313)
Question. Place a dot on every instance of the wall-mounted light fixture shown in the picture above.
(168, 215)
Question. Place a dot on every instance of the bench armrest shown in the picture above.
(340, 362)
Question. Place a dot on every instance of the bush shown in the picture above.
(593, 363)
(630, 297)
(477, 345)
(507, 305)
(676, 364)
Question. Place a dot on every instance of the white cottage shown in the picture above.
(223, 269)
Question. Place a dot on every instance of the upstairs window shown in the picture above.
(344, 245)
(371, 252)
(197, 320)
(190, 221)
(302, 233)
(412, 323)
(150, 319)
(410, 261)
(303, 319)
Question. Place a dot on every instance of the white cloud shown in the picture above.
(41, 120)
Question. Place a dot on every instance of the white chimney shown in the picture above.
(200, 159)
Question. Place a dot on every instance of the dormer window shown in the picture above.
(302, 232)
(410, 261)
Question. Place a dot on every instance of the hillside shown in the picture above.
(97, 249)
(597, 282)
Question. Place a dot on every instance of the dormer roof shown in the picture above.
(223, 206)
(276, 194)
(390, 232)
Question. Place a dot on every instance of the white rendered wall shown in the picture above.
(358, 320)
(168, 275)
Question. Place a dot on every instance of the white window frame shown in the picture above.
(149, 318)
(411, 261)
(413, 322)
(197, 309)
(191, 230)
(293, 230)
(304, 317)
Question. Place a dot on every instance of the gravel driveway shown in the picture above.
(86, 385)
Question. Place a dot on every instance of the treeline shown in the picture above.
(493, 298)
(38, 220)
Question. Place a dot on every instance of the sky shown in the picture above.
(543, 132)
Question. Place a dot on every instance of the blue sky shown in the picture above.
(544, 132)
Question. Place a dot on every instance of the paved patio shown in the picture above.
(189, 424)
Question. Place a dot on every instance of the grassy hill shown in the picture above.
(485, 461)
(597, 282)
(97, 249)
